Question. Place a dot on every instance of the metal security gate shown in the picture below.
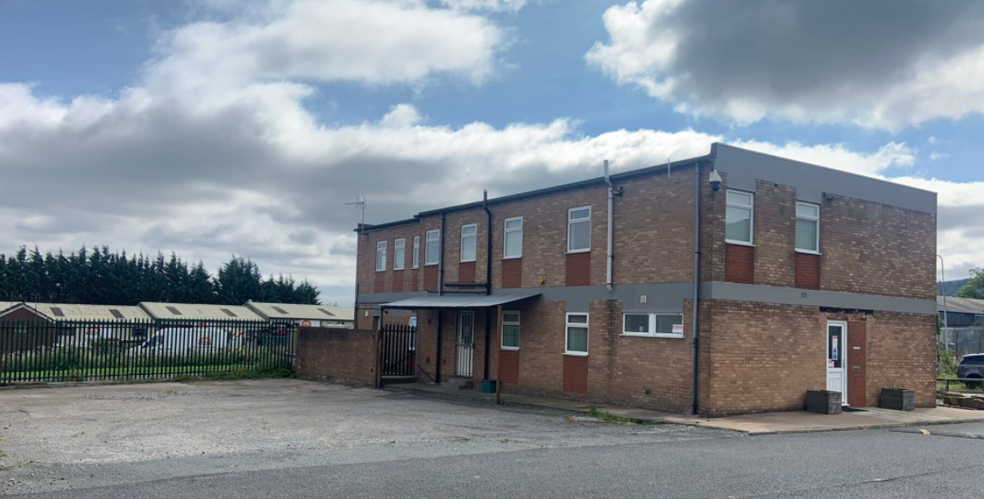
(465, 345)
(398, 349)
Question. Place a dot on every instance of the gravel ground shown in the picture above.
(97, 436)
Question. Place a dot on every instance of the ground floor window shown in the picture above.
(576, 334)
(649, 324)
(510, 330)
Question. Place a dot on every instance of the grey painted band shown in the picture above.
(744, 167)
(669, 297)
(791, 296)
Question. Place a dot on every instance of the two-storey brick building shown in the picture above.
(804, 278)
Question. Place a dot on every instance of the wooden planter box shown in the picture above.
(898, 399)
(823, 401)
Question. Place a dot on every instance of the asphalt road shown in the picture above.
(841, 464)
(299, 439)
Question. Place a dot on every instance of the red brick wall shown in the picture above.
(510, 367)
(901, 353)
(431, 276)
(398, 280)
(466, 272)
(578, 269)
(336, 354)
(857, 362)
(775, 234)
(575, 374)
(739, 264)
(807, 271)
(512, 273)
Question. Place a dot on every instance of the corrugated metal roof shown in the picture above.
(198, 311)
(72, 311)
(294, 311)
(461, 300)
(960, 305)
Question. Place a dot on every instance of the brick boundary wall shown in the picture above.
(339, 355)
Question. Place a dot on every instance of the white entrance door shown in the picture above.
(465, 351)
(837, 358)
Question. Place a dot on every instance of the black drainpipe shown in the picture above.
(488, 280)
(694, 310)
(440, 261)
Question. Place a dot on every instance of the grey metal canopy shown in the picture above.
(461, 300)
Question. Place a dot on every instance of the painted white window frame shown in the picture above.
(751, 217)
(653, 319)
(415, 261)
(568, 324)
(506, 231)
(380, 262)
(815, 219)
(510, 323)
(461, 242)
(427, 254)
(570, 223)
(400, 254)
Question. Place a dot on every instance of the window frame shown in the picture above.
(381, 245)
(437, 252)
(814, 219)
(586, 325)
(570, 223)
(461, 243)
(415, 258)
(505, 233)
(504, 323)
(398, 249)
(653, 321)
(751, 217)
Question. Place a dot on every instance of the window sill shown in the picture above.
(739, 243)
(575, 252)
(431, 264)
(512, 257)
(576, 354)
(509, 349)
(807, 252)
(653, 335)
(466, 261)
(395, 269)
(384, 270)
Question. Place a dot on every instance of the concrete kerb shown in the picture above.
(655, 419)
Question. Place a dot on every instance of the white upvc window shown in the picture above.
(469, 238)
(399, 254)
(808, 228)
(415, 262)
(658, 325)
(510, 330)
(433, 249)
(380, 256)
(512, 241)
(576, 334)
(739, 218)
(579, 229)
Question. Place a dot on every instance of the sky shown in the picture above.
(214, 128)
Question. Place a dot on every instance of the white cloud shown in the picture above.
(236, 164)
(938, 156)
(895, 64)
(492, 5)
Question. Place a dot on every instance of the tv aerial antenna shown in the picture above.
(360, 203)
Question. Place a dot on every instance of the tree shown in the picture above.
(974, 287)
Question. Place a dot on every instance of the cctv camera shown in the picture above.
(715, 180)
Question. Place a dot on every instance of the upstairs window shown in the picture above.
(576, 334)
(807, 228)
(512, 245)
(469, 236)
(510, 330)
(399, 254)
(738, 218)
(416, 252)
(579, 229)
(433, 248)
(380, 256)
